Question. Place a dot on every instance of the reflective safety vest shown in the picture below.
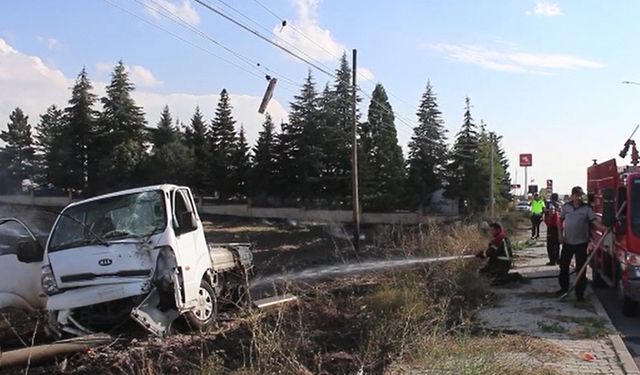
(537, 206)
(503, 252)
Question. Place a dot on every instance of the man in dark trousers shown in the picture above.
(552, 221)
(537, 209)
(576, 220)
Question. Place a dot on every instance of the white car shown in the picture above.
(522, 206)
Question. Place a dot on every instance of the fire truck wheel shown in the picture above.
(596, 280)
(629, 306)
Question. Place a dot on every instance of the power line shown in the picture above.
(256, 33)
(180, 21)
(295, 29)
(181, 38)
(272, 33)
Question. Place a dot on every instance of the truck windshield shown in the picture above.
(635, 207)
(134, 215)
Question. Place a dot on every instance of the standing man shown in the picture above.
(537, 208)
(552, 221)
(576, 220)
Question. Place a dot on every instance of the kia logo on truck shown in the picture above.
(105, 262)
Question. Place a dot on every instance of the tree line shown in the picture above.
(306, 162)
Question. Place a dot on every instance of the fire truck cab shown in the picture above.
(614, 193)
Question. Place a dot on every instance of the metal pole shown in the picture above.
(526, 191)
(491, 175)
(354, 162)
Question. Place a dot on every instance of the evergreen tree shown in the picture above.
(265, 161)
(122, 135)
(427, 151)
(79, 132)
(463, 175)
(303, 136)
(223, 139)
(18, 152)
(53, 146)
(504, 186)
(489, 143)
(197, 140)
(383, 184)
(242, 164)
(336, 126)
(170, 159)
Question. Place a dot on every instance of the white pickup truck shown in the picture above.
(140, 253)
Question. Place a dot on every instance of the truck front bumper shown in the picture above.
(93, 295)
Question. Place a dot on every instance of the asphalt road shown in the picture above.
(629, 327)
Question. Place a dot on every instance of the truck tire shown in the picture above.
(629, 306)
(596, 280)
(203, 315)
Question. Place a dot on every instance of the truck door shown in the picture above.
(188, 254)
(20, 267)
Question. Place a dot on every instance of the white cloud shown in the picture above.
(183, 10)
(50, 42)
(366, 74)
(545, 8)
(139, 75)
(514, 61)
(142, 76)
(307, 35)
(28, 83)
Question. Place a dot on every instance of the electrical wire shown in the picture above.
(180, 21)
(295, 29)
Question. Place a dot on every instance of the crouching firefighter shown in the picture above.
(500, 257)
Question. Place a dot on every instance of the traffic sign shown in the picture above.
(526, 160)
(550, 186)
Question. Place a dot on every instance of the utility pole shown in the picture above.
(354, 162)
(491, 175)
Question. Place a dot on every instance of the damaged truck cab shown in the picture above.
(138, 253)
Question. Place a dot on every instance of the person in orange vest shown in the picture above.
(552, 221)
(537, 209)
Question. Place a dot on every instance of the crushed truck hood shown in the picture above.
(120, 262)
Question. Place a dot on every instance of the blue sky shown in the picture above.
(545, 75)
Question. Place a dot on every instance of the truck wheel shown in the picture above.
(596, 280)
(203, 315)
(629, 306)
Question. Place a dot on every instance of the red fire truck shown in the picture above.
(614, 192)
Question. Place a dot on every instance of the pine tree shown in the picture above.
(336, 106)
(488, 143)
(197, 140)
(222, 138)
(242, 164)
(80, 132)
(463, 175)
(504, 186)
(170, 159)
(304, 148)
(19, 148)
(427, 151)
(383, 184)
(52, 146)
(122, 133)
(265, 161)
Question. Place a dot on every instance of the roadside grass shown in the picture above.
(551, 327)
(464, 353)
(586, 327)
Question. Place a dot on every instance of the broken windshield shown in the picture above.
(132, 215)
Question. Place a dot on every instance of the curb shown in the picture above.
(628, 364)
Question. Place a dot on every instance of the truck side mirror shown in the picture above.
(30, 251)
(608, 208)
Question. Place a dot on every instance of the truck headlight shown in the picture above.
(633, 272)
(48, 281)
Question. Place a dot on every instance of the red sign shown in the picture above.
(549, 185)
(526, 160)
